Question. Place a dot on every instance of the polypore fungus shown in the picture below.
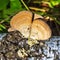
(22, 22)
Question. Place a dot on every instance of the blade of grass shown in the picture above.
(37, 9)
(25, 5)
(57, 21)
(2, 21)
(2, 26)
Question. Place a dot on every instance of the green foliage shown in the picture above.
(54, 3)
(3, 4)
(15, 5)
(7, 9)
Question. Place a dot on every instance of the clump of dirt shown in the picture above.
(14, 42)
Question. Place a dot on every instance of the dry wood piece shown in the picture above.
(22, 22)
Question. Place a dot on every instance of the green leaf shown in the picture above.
(50, 5)
(54, 2)
(3, 4)
(15, 5)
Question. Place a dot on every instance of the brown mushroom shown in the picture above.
(22, 22)
(40, 30)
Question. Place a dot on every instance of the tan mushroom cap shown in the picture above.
(40, 30)
(22, 22)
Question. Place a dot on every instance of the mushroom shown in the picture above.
(40, 30)
(22, 22)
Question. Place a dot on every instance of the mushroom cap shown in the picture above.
(23, 17)
(22, 22)
(40, 30)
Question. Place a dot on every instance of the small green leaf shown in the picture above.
(15, 5)
(50, 5)
(54, 2)
(3, 4)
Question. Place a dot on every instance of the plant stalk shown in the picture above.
(25, 5)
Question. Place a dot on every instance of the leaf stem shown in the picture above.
(25, 5)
